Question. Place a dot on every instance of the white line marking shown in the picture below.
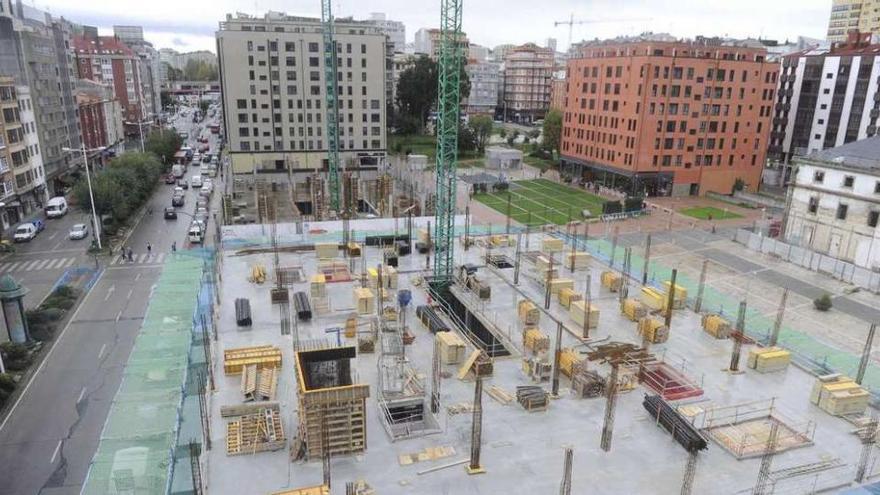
(101, 352)
(53, 236)
(137, 277)
(69, 262)
(41, 264)
(55, 454)
(46, 359)
(118, 315)
(51, 264)
(13, 266)
(57, 244)
(109, 292)
(115, 260)
(82, 394)
(30, 266)
(130, 291)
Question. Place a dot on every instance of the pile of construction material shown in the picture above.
(587, 384)
(682, 430)
(611, 281)
(318, 293)
(716, 326)
(567, 296)
(633, 309)
(769, 359)
(654, 299)
(577, 260)
(302, 306)
(477, 364)
(258, 274)
(582, 316)
(535, 341)
(243, 312)
(326, 250)
(259, 430)
(551, 245)
(528, 312)
(260, 384)
(569, 360)
(430, 319)
(839, 395)
(653, 330)
(452, 347)
(537, 368)
(532, 398)
(263, 356)
(365, 300)
(679, 298)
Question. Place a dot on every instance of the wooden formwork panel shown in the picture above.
(235, 360)
(254, 433)
(344, 423)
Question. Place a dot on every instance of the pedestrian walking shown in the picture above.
(130, 256)
(149, 248)
(174, 247)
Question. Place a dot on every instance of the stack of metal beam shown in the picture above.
(682, 431)
(303, 308)
(532, 398)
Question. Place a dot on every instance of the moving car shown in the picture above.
(78, 231)
(177, 200)
(183, 183)
(56, 207)
(170, 213)
(170, 179)
(25, 232)
(195, 234)
(205, 190)
(196, 181)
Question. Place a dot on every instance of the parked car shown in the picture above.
(26, 232)
(56, 207)
(183, 183)
(205, 191)
(202, 203)
(179, 191)
(195, 234)
(196, 181)
(78, 231)
(170, 179)
(170, 213)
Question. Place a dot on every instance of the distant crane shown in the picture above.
(571, 23)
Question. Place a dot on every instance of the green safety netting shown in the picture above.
(816, 356)
(139, 439)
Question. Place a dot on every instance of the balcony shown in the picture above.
(7, 189)
(4, 165)
(875, 113)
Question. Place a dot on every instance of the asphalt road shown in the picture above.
(52, 432)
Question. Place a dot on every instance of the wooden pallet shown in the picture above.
(268, 383)
(260, 432)
(249, 382)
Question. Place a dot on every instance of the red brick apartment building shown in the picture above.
(108, 60)
(668, 118)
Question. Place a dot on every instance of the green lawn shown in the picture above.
(540, 202)
(703, 213)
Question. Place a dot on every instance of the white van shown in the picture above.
(56, 207)
(196, 181)
(195, 234)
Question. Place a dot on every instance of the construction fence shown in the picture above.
(808, 352)
(144, 446)
(811, 260)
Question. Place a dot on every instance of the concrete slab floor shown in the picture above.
(522, 452)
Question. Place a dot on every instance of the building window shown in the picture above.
(873, 216)
(848, 181)
(877, 187)
(313, 47)
(818, 177)
(813, 205)
(841, 211)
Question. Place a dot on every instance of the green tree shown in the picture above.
(199, 70)
(123, 186)
(467, 139)
(482, 127)
(166, 99)
(417, 91)
(203, 106)
(552, 130)
(163, 143)
(173, 74)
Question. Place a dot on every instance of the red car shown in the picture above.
(169, 179)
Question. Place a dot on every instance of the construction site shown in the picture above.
(381, 333)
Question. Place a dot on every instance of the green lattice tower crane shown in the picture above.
(332, 104)
(449, 70)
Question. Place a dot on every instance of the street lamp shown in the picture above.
(89, 182)
(141, 125)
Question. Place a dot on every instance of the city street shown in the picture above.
(48, 439)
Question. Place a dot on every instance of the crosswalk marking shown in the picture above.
(37, 265)
(141, 258)
(10, 267)
(30, 266)
(67, 265)
(42, 264)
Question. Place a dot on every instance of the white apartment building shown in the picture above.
(30, 179)
(485, 80)
(395, 30)
(834, 203)
(273, 91)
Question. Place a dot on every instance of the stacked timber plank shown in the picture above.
(452, 347)
(580, 315)
(326, 249)
(611, 280)
(365, 301)
(679, 299)
(557, 284)
(769, 359)
(551, 245)
(502, 240)
(535, 340)
(318, 285)
(307, 490)
(528, 312)
(568, 296)
(532, 398)
(580, 260)
(653, 330)
(479, 363)
(587, 384)
(633, 309)
(264, 356)
(839, 395)
(716, 326)
(543, 270)
(653, 299)
(537, 369)
(569, 360)
(682, 431)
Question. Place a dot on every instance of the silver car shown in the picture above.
(78, 231)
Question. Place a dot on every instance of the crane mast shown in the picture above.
(448, 92)
(332, 104)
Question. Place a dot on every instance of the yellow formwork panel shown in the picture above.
(768, 359)
(326, 249)
(568, 296)
(611, 280)
(633, 309)
(235, 360)
(551, 245)
(365, 300)
(653, 299)
(578, 312)
(654, 330)
(528, 312)
(568, 359)
(558, 284)
(579, 258)
(535, 340)
(679, 298)
(716, 326)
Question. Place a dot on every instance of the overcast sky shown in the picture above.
(190, 24)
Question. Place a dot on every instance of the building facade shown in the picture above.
(35, 51)
(853, 15)
(30, 177)
(558, 90)
(13, 149)
(100, 115)
(527, 72)
(661, 118)
(148, 68)
(427, 41)
(107, 60)
(485, 82)
(272, 81)
(834, 203)
(394, 30)
(826, 98)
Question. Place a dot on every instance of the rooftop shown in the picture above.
(862, 155)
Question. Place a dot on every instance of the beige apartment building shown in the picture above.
(846, 15)
(527, 73)
(272, 83)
